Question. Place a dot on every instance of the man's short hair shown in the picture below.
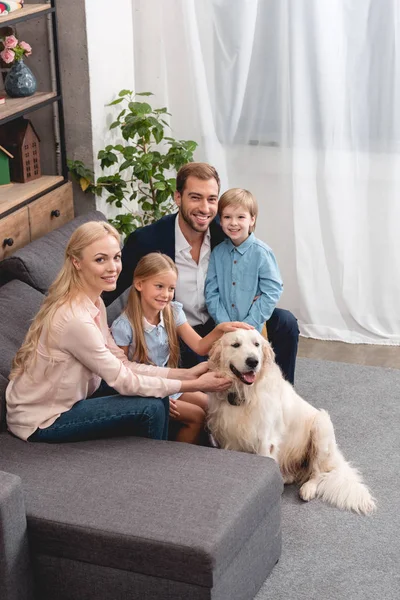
(200, 170)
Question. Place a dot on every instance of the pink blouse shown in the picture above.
(70, 363)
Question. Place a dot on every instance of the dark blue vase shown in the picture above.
(20, 81)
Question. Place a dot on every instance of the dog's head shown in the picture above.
(242, 355)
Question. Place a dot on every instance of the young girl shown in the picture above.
(148, 331)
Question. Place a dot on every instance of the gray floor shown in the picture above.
(329, 554)
(361, 354)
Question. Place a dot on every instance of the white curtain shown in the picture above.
(299, 102)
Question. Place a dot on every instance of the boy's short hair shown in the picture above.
(200, 170)
(239, 197)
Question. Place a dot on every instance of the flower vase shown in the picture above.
(20, 81)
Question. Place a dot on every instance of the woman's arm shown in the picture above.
(202, 346)
(84, 340)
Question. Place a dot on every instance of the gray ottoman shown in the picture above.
(131, 518)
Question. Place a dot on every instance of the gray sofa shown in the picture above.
(123, 518)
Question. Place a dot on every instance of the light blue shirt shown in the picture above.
(236, 275)
(155, 335)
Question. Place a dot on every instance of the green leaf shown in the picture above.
(140, 108)
(144, 94)
(124, 92)
(117, 101)
(159, 185)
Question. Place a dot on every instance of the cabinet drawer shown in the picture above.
(14, 232)
(51, 211)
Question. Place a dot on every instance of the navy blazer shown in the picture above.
(157, 237)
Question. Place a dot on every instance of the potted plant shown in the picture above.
(145, 164)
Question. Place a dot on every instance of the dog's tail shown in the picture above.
(343, 487)
(340, 484)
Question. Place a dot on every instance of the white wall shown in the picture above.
(111, 69)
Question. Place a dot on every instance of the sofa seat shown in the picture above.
(162, 520)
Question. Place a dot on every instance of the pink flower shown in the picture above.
(10, 41)
(26, 47)
(7, 55)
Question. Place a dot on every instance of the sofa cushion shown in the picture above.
(38, 263)
(19, 303)
(162, 509)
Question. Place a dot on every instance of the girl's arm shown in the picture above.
(124, 349)
(202, 346)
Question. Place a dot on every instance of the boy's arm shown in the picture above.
(270, 285)
(215, 307)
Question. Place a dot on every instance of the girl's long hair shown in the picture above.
(65, 288)
(151, 265)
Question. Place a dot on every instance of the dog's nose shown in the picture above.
(251, 362)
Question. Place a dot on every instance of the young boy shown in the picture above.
(243, 280)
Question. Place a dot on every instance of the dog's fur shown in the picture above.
(266, 416)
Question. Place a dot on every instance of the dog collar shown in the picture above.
(233, 399)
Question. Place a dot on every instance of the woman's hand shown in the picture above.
(231, 326)
(197, 370)
(213, 382)
(173, 409)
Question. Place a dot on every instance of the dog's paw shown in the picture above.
(308, 491)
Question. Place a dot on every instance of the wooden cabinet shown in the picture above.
(30, 210)
(38, 218)
(14, 232)
(51, 211)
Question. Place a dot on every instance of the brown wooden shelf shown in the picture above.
(17, 194)
(14, 106)
(27, 10)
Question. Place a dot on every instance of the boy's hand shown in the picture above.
(232, 325)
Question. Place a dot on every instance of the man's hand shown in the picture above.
(232, 325)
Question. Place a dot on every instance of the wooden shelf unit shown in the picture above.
(29, 11)
(20, 106)
(29, 210)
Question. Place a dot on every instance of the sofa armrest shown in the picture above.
(15, 569)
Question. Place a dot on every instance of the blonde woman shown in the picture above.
(55, 392)
(148, 332)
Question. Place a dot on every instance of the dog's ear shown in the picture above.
(215, 356)
(268, 353)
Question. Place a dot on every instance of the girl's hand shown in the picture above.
(232, 325)
(173, 409)
(197, 370)
(213, 382)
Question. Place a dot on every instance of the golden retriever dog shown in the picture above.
(262, 414)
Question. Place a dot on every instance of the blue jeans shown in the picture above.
(108, 414)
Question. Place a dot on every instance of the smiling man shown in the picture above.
(187, 237)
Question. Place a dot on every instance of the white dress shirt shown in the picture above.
(192, 277)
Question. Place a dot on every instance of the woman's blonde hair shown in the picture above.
(64, 288)
(151, 265)
(239, 197)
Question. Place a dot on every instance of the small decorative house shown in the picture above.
(23, 142)
(4, 166)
